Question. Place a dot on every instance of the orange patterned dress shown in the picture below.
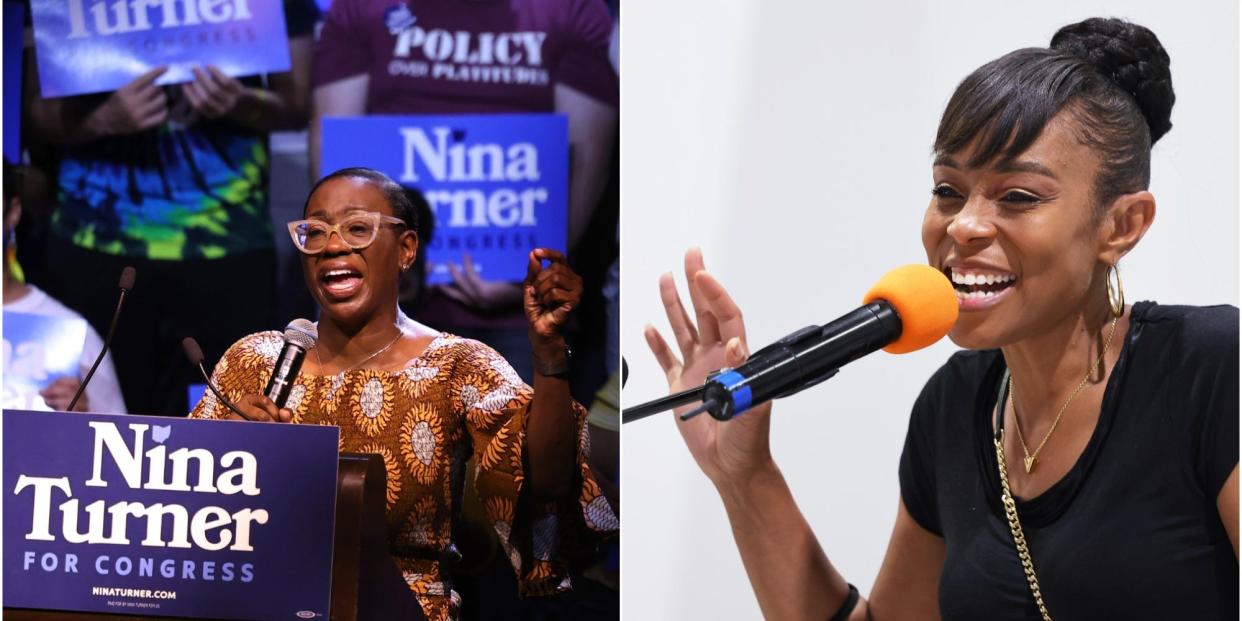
(458, 399)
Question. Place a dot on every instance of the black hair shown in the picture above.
(398, 197)
(1112, 75)
(423, 217)
(414, 282)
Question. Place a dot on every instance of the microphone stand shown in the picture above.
(126, 283)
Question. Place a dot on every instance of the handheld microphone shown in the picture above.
(195, 354)
(300, 336)
(910, 308)
(126, 283)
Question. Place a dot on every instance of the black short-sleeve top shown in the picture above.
(1132, 531)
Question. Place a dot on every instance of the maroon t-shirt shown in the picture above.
(467, 56)
(462, 56)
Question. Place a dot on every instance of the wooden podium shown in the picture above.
(366, 585)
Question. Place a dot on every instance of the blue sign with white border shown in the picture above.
(168, 516)
(498, 184)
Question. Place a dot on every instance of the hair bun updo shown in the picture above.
(1132, 57)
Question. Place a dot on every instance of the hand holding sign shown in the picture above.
(59, 393)
(137, 106)
(551, 293)
(212, 93)
(471, 290)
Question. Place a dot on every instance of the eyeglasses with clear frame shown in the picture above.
(357, 230)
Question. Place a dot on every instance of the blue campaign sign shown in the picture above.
(13, 80)
(497, 184)
(168, 516)
(89, 46)
(37, 350)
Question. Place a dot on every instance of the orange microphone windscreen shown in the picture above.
(925, 302)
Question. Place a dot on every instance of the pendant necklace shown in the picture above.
(1028, 458)
(364, 360)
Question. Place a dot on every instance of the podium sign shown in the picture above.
(160, 516)
(498, 184)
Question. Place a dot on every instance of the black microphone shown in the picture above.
(798, 361)
(195, 355)
(127, 282)
(910, 308)
(300, 336)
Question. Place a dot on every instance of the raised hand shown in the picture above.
(715, 338)
(550, 294)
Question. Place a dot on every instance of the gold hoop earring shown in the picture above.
(1116, 297)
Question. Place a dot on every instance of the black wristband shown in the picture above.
(559, 368)
(851, 601)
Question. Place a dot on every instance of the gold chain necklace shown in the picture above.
(364, 360)
(1015, 527)
(1028, 458)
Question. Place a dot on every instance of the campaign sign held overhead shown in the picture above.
(38, 350)
(168, 516)
(90, 46)
(498, 185)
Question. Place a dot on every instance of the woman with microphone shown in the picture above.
(1079, 459)
(423, 399)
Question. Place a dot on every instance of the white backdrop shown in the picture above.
(791, 141)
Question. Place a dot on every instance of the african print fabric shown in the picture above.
(458, 399)
(171, 193)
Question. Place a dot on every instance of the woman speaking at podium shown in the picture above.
(1079, 459)
(421, 399)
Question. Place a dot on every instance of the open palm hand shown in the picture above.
(714, 339)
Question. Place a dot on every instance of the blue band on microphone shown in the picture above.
(741, 396)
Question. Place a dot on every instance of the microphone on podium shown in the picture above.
(126, 283)
(910, 308)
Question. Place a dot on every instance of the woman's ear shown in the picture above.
(409, 248)
(1124, 223)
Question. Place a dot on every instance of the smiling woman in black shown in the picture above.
(1079, 461)
(1141, 496)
